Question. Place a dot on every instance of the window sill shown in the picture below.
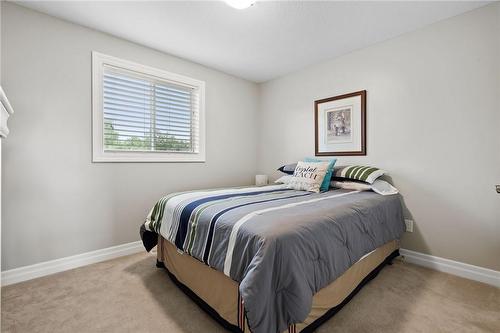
(140, 157)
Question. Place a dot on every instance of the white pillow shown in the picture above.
(357, 186)
(379, 186)
(308, 176)
(383, 187)
(284, 180)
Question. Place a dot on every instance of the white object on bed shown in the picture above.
(379, 186)
(383, 187)
(351, 185)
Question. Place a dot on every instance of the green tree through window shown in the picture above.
(161, 141)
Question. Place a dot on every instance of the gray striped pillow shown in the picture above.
(358, 172)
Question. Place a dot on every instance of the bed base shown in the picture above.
(309, 328)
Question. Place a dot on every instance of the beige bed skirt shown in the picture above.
(221, 293)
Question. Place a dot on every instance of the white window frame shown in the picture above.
(98, 152)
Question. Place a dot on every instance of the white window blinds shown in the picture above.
(148, 114)
(145, 114)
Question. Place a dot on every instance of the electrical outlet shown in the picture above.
(409, 225)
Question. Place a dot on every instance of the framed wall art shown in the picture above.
(340, 125)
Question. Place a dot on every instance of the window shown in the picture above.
(143, 114)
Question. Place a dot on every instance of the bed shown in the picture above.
(273, 259)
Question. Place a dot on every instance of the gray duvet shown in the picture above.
(280, 245)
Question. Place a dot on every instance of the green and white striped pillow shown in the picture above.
(358, 172)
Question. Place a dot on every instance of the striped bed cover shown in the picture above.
(279, 244)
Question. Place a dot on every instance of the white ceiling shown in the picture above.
(260, 43)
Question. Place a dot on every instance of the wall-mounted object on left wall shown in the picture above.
(5, 112)
(340, 125)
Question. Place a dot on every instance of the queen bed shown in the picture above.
(273, 259)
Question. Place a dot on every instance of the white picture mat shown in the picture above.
(342, 138)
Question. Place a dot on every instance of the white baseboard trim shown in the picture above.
(467, 271)
(63, 264)
(20, 274)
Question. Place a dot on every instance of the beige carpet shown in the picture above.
(131, 295)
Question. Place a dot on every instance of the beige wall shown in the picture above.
(56, 202)
(433, 122)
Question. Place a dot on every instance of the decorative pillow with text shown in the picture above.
(308, 176)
